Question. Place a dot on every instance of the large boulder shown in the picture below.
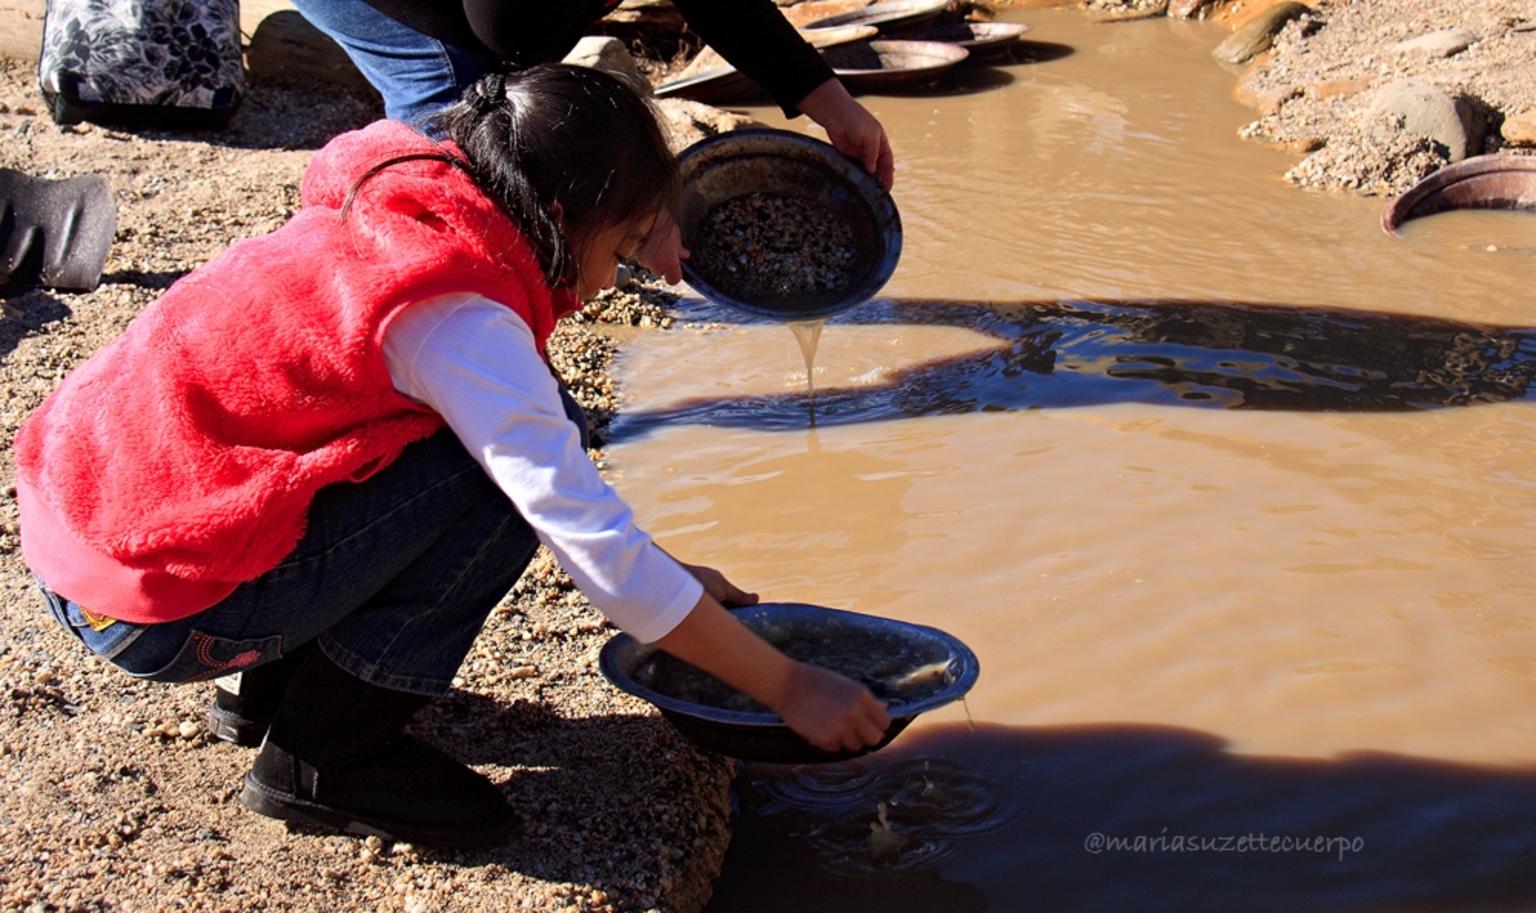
(611, 56)
(1419, 108)
(1258, 34)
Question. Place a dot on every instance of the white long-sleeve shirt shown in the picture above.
(476, 363)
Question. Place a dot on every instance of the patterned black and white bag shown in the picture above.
(143, 61)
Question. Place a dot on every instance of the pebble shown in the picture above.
(763, 245)
(1520, 129)
(1127, 13)
(1190, 9)
(1444, 43)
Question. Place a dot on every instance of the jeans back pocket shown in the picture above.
(204, 656)
(106, 637)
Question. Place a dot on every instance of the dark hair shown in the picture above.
(572, 136)
(556, 134)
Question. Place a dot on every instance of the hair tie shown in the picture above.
(490, 93)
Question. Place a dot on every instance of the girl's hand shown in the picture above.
(852, 129)
(715, 584)
(832, 712)
(827, 710)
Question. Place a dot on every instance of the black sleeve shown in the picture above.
(757, 40)
(526, 32)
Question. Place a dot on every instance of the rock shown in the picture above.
(686, 122)
(1258, 34)
(1131, 12)
(1333, 88)
(1266, 104)
(1190, 9)
(1444, 43)
(611, 56)
(1520, 130)
(1424, 109)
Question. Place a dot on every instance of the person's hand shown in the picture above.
(715, 584)
(663, 252)
(832, 712)
(852, 129)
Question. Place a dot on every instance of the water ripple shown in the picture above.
(898, 816)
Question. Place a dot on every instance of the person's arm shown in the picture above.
(756, 39)
(476, 363)
(824, 708)
(852, 129)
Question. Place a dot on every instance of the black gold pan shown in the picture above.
(763, 736)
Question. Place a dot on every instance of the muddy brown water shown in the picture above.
(1233, 495)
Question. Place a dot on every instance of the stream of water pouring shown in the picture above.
(808, 335)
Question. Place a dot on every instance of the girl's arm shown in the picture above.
(475, 362)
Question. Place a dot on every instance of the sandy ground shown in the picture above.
(1314, 90)
(110, 796)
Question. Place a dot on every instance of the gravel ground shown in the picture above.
(1314, 89)
(113, 799)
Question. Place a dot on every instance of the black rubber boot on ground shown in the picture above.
(335, 757)
(244, 704)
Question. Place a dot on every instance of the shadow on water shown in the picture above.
(968, 79)
(1204, 354)
(1018, 818)
(1026, 51)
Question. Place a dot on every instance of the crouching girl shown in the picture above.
(321, 459)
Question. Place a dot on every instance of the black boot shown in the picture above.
(335, 756)
(244, 704)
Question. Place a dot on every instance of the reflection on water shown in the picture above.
(1063, 354)
(881, 816)
(1116, 818)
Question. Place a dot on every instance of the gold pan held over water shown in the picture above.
(914, 668)
(784, 226)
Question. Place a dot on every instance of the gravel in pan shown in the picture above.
(767, 244)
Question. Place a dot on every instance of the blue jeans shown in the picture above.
(395, 576)
(418, 75)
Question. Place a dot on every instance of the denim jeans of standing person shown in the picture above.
(395, 577)
(418, 75)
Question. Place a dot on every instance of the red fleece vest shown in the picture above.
(181, 459)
